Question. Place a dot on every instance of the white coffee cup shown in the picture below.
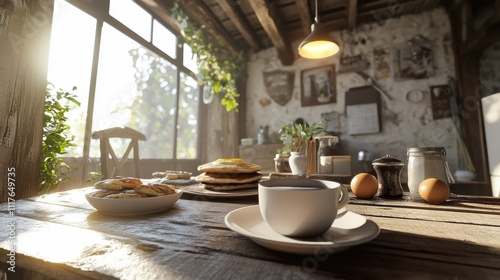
(301, 207)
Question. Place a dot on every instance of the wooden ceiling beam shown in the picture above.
(457, 4)
(383, 13)
(352, 12)
(304, 15)
(486, 35)
(466, 21)
(375, 5)
(200, 12)
(268, 18)
(429, 4)
(162, 11)
(239, 20)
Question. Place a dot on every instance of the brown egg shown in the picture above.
(364, 185)
(434, 191)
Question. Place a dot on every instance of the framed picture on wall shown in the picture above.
(318, 86)
(413, 59)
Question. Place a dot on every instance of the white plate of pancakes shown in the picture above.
(131, 197)
(226, 177)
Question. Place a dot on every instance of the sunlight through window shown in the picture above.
(135, 87)
(70, 62)
(133, 16)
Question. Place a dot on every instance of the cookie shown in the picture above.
(155, 189)
(118, 184)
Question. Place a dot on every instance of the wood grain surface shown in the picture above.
(25, 29)
(61, 236)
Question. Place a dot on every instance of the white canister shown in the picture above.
(325, 165)
(427, 162)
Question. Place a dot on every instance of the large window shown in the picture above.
(146, 82)
(71, 51)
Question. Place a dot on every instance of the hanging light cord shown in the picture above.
(316, 18)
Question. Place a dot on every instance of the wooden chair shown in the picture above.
(108, 154)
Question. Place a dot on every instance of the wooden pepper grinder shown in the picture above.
(388, 171)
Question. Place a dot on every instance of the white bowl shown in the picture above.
(133, 206)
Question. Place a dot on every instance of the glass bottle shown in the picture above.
(326, 149)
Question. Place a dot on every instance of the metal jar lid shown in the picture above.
(426, 150)
(335, 139)
(387, 161)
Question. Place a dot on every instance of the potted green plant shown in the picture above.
(56, 139)
(295, 137)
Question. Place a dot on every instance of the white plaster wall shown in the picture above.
(404, 124)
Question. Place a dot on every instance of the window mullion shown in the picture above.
(91, 98)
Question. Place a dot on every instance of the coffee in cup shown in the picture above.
(301, 207)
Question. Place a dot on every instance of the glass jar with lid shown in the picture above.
(326, 149)
(427, 162)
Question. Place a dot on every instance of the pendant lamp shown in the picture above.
(318, 44)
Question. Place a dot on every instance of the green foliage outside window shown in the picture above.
(154, 107)
(152, 110)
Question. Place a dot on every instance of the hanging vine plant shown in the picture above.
(218, 68)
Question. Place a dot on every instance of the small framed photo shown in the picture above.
(318, 86)
(440, 100)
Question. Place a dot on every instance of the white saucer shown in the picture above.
(348, 229)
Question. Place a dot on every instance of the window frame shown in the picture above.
(99, 9)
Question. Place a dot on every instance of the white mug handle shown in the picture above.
(344, 197)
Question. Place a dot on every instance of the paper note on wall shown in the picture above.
(362, 118)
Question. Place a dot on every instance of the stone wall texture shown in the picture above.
(404, 123)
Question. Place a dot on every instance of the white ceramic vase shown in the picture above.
(297, 163)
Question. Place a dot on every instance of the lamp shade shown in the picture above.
(318, 44)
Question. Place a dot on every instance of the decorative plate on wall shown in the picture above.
(415, 96)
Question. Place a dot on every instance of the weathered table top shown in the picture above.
(61, 236)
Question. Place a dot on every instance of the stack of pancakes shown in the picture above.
(229, 174)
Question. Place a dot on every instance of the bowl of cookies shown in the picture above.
(131, 196)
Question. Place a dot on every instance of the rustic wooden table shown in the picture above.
(61, 236)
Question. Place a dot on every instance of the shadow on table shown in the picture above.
(397, 255)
